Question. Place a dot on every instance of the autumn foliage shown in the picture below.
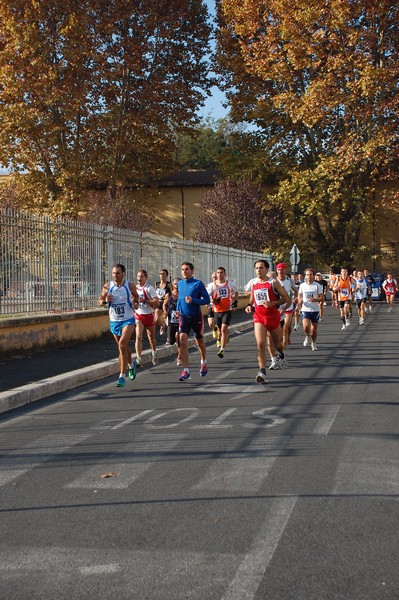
(320, 80)
(94, 90)
(233, 215)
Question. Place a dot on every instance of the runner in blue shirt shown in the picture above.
(192, 295)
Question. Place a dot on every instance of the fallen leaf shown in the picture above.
(111, 474)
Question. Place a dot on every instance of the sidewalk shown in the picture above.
(26, 379)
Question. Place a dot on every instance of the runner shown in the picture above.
(298, 280)
(192, 295)
(390, 287)
(309, 297)
(370, 282)
(287, 311)
(361, 288)
(211, 314)
(171, 318)
(266, 296)
(224, 296)
(343, 289)
(118, 295)
(324, 285)
(331, 284)
(161, 287)
(145, 316)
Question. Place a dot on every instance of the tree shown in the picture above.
(233, 215)
(94, 90)
(320, 80)
(230, 147)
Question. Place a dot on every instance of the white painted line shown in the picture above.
(100, 569)
(215, 380)
(144, 453)
(326, 421)
(45, 448)
(245, 473)
(217, 423)
(253, 568)
(131, 419)
(368, 465)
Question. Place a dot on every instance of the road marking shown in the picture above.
(46, 448)
(142, 458)
(253, 568)
(325, 422)
(131, 419)
(149, 423)
(368, 465)
(217, 423)
(245, 473)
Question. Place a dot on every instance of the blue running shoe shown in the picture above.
(121, 382)
(185, 376)
(203, 369)
(133, 370)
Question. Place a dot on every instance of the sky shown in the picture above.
(213, 105)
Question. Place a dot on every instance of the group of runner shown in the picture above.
(276, 302)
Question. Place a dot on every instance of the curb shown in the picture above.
(44, 388)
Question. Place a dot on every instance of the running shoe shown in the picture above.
(295, 327)
(274, 364)
(282, 363)
(306, 341)
(343, 327)
(133, 370)
(261, 378)
(314, 347)
(121, 382)
(138, 362)
(185, 376)
(347, 322)
(154, 358)
(370, 310)
(361, 321)
(221, 353)
(218, 343)
(203, 369)
(215, 334)
(178, 362)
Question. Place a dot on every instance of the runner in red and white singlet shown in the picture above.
(266, 296)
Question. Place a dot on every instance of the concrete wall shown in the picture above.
(21, 335)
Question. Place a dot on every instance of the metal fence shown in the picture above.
(57, 265)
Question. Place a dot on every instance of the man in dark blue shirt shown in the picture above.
(192, 295)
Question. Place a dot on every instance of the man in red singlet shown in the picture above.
(266, 296)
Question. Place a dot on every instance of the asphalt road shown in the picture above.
(214, 489)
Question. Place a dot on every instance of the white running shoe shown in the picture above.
(283, 363)
(343, 327)
(306, 341)
(295, 327)
(154, 357)
(347, 322)
(370, 310)
(314, 347)
(274, 364)
(261, 378)
(138, 362)
(361, 321)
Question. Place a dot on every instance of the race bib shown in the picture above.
(261, 296)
